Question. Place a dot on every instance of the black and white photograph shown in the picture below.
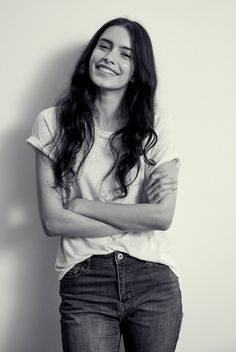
(118, 171)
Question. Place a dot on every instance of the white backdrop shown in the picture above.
(194, 42)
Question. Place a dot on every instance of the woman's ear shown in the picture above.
(132, 79)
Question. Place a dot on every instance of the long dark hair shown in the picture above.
(75, 111)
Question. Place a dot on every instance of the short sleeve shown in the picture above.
(164, 150)
(43, 132)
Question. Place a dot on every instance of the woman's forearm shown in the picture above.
(153, 214)
(129, 217)
(70, 224)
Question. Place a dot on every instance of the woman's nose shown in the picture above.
(109, 59)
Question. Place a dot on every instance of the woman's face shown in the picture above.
(111, 64)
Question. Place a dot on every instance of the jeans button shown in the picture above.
(119, 256)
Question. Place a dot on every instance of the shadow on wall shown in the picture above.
(29, 296)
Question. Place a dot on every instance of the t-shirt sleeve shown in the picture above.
(43, 132)
(164, 150)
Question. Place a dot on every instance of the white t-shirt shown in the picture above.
(149, 245)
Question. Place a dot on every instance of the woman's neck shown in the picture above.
(110, 111)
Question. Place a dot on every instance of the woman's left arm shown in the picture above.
(134, 217)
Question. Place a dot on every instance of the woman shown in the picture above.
(106, 180)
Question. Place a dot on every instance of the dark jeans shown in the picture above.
(109, 295)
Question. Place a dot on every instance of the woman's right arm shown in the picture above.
(55, 219)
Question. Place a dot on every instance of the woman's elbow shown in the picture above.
(50, 226)
(163, 221)
(165, 224)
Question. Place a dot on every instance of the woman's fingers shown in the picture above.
(161, 184)
(155, 176)
(160, 188)
(162, 177)
(157, 190)
(158, 185)
(158, 197)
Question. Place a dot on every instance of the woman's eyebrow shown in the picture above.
(110, 43)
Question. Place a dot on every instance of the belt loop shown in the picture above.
(87, 265)
(115, 257)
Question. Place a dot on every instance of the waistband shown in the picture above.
(118, 257)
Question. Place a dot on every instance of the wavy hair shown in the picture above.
(75, 111)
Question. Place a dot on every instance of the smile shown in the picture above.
(106, 70)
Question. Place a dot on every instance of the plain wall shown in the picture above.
(194, 42)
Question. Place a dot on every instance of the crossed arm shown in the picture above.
(87, 218)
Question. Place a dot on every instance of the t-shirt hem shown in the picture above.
(34, 143)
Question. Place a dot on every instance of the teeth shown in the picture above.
(106, 70)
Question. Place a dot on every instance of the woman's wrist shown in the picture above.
(74, 205)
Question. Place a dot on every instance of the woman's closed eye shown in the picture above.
(103, 46)
(126, 55)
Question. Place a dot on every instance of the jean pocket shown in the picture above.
(157, 265)
(163, 270)
(74, 272)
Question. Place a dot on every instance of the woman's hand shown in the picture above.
(157, 186)
(78, 205)
(74, 204)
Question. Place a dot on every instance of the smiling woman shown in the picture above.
(106, 170)
(111, 65)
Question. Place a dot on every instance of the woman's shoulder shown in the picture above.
(43, 131)
(47, 119)
(162, 119)
(49, 111)
(48, 115)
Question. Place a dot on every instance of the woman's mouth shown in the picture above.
(107, 71)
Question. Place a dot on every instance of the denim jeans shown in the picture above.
(107, 296)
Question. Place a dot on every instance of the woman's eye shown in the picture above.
(126, 55)
(103, 46)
